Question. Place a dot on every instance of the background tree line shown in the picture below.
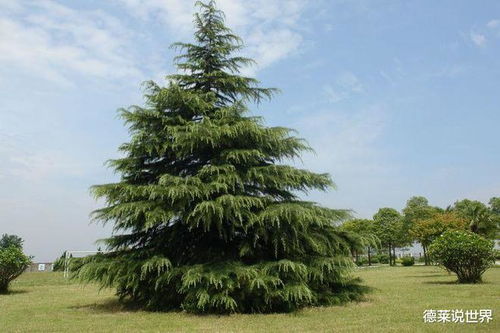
(420, 222)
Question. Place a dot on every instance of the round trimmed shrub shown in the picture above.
(408, 261)
(464, 253)
(13, 262)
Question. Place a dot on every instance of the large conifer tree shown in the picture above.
(206, 218)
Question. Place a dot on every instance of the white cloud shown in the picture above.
(10, 6)
(347, 146)
(350, 82)
(328, 27)
(447, 71)
(386, 76)
(176, 14)
(28, 162)
(333, 95)
(345, 85)
(40, 166)
(477, 38)
(493, 24)
(269, 47)
(270, 29)
(50, 40)
(345, 142)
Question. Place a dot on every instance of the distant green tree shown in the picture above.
(59, 263)
(365, 232)
(418, 208)
(208, 216)
(11, 240)
(495, 205)
(480, 218)
(425, 231)
(416, 211)
(389, 228)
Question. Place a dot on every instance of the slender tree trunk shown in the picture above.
(426, 260)
(394, 255)
(369, 256)
(390, 255)
(357, 256)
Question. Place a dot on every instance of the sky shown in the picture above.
(397, 98)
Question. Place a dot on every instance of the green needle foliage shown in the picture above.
(206, 216)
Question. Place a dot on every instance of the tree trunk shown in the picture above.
(394, 256)
(369, 257)
(390, 255)
(426, 260)
(4, 286)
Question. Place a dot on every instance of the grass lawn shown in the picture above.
(45, 302)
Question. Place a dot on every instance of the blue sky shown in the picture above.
(398, 98)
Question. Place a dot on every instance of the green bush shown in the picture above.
(374, 260)
(362, 261)
(408, 261)
(382, 258)
(13, 262)
(464, 253)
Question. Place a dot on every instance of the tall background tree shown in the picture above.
(426, 230)
(364, 231)
(206, 216)
(417, 208)
(11, 240)
(417, 220)
(389, 228)
(481, 218)
(494, 205)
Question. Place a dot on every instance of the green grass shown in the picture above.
(45, 302)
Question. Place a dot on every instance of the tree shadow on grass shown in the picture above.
(427, 275)
(109, 306)
(112, 306)
(14, 292)
(455, 282)
(440, 282)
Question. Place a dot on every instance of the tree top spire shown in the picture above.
(211, 63)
